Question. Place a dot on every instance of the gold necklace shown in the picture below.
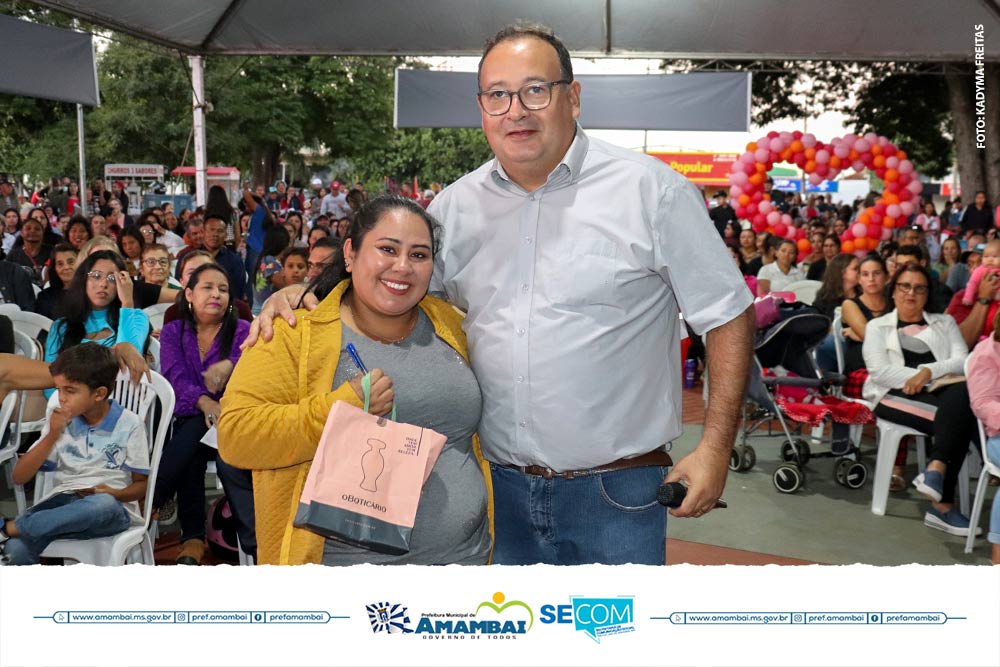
(384, 341)
(203, 350)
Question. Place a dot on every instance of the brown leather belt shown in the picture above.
(657, 457)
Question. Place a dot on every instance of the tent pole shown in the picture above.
(83, 163)
(198, 84)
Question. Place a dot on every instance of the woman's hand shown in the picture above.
(849, 333)
(280, 304)
(382, 395)
(917, 383)
(124, 282)
(217, 375)
(130, 360)
(211, 409)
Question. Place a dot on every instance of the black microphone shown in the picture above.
(672, 495)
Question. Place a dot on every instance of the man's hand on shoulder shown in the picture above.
(280, 304)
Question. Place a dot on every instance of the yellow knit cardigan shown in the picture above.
(274, 410)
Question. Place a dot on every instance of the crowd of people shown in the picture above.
(557, 440)
(909, 313)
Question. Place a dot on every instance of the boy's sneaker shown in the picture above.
(931, 484)
(952, 522)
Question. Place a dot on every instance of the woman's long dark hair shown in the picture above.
(229, 318)
(75, 307)
(364, 221)
(276, 240)
(832, 290)
(132, 232)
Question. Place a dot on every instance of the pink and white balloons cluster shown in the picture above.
(820, 161)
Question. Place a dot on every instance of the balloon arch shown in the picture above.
(820, 161)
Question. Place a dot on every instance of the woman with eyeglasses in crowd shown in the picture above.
(915, 363)
(156, 266)
(98, 308)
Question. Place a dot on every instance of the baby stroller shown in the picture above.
(793, 388)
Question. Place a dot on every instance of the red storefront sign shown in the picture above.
(702, 169)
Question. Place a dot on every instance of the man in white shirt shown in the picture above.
(572, 257)
(334, 204)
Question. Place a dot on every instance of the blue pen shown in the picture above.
(353, 351)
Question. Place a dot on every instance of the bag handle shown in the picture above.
(366, 388)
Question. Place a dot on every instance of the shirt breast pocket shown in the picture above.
(585, 276)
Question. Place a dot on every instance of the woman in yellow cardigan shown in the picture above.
(374, 295)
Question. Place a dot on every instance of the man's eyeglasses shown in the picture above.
(906, 288)
(532, 96)
(97, 276)
(152, 262)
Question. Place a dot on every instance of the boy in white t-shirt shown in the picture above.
(97, 453)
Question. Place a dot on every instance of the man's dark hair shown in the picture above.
(521, 30)
(330, 242)
(911, 251)
(89, 363)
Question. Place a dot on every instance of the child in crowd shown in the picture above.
(984, 394)
(97, 452)
(990, 264)
(294, 265)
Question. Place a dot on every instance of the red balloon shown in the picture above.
(751, 209)
(800, 234)
(876, 217)
(758, 227)
(894, 187)
(800, 160)
(796, 135)
(874, 232)
(741, 212)
(880, 208)
(823, 169)
(781, 229)
(773, 134)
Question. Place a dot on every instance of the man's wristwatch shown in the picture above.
(984, 300)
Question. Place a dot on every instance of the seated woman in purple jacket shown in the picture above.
(197, 355)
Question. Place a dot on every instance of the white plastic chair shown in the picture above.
(155, 314)
(121, 548)
(805, 290)
(7, 308)
(989, 468)
(29, 322)
(153, 351)
(8, 452)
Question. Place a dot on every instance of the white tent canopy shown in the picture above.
(915, 30)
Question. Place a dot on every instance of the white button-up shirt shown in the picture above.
(572, 293)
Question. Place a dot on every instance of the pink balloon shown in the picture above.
(883, 141)
(735, 192)
(773, 218)
(859, 229)
(747, 158)
(790, 233)
(862, 145)
(841, 151)
(787, 219)
(916, 187)
(815, 179)
(906, 207)
(886, 233)
(850, 138)
(764, 207)
(786, 137)
(822, 156)
(892, 210)
(860, 254)
(892, 162)
(739, 178)
(858, 165)
(871, 137)
(905, 167)
(808, 140)
(760, 155)
(764, 143)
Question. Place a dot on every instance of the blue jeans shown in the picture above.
(993, 452)
(65, 516)
(610, 518)
(826, 354)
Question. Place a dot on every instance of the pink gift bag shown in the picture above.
(365, 481)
